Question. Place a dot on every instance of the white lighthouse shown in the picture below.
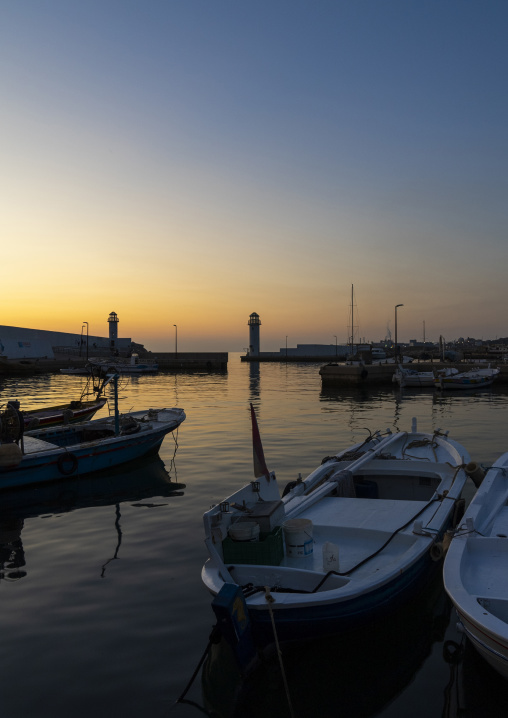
(113, 329)
(254, 324)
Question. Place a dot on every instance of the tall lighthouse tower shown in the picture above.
(254, 324)
(113, 329)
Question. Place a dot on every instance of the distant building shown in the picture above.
(23, 343)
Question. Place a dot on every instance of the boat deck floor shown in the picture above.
(484, 571)
(359, 527)
(33, 445)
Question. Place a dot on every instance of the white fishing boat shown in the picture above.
(472, 379)
(353, 541)
(392, 360)
(412, 377)
(81, 409)
(475, 575)
(134, 365)
(405, 376)
(48, 454)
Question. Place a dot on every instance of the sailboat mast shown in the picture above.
(352, 321)
(351, 327)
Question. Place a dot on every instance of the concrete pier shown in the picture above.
(168, 361)
(355, 375)
(191, 361)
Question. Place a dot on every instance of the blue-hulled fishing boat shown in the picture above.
(48, 454)
(354, 540)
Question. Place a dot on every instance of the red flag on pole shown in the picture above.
(260, 468)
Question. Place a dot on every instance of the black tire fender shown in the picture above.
(67, 463)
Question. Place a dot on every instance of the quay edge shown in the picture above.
(368, 374)
(168, 361)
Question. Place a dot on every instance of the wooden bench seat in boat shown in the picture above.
(385, 515)
(359, 527)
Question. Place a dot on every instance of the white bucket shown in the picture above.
(298, 537)
(244, 531)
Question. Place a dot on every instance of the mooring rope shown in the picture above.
(270, 599)
(214, 638)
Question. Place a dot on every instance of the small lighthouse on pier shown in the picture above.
(254, 324)
(113, 330)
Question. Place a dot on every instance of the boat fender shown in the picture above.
(67, 463)
(453, 652)
(10, 455)
(437, 551)
(475, 473)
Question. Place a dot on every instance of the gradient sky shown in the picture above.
(192, 161)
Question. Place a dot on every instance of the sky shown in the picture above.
(189, 162)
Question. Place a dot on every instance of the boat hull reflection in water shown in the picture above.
(144, 480)
(354, 675)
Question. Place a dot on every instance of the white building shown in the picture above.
(23, 343)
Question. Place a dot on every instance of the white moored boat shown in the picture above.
(412, 377)
(354, 540)
(108, 366)
(475, 574)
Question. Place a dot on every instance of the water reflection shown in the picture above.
(474, 688)
(254, 380)
(143, 480)
(12, 555)
(361, 672)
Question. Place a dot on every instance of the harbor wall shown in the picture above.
(188, 361)
(369, 374)
(168, 361)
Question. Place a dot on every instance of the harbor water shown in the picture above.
(103, 612)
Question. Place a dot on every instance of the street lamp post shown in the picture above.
(86, 339)
(176, 341)
(396, 345)
(335, 344)
(286, 348)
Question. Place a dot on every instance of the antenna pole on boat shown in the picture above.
(396, 346)
(352, 323)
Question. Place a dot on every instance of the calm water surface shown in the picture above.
(103, 610)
